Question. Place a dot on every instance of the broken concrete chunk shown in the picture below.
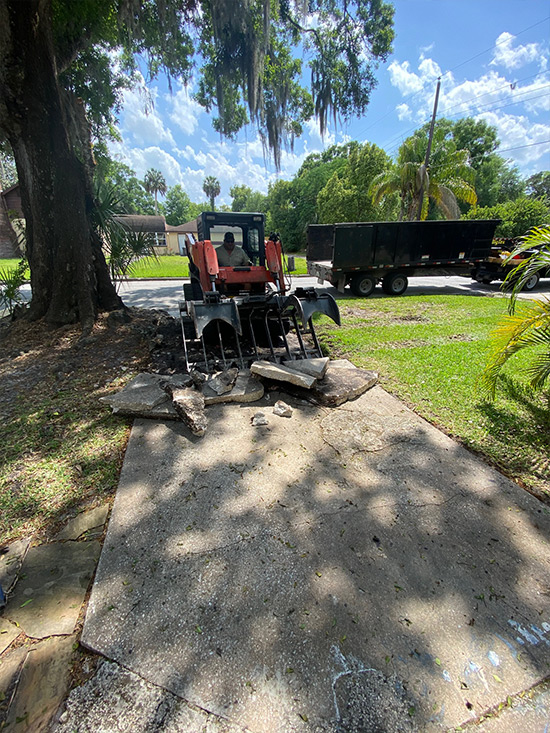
(198, 378)
(314, 367)
(281, 409)
(143, 393)
(223, 382)
(282, 374)
(259, 419)
(189, 404)
(342, 384)
(246, 389)
(342, 364)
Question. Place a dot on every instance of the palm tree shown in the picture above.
(527, 325)
(211, 188)
(447, 178)
(154, 183)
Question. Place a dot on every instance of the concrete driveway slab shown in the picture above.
(340, 564)
(51, 588)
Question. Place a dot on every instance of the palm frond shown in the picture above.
(537, 239)
(529, 327)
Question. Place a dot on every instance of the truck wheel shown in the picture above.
(362, 284)
(395, 284)
(532, 282)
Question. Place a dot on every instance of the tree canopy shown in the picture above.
(447, 178)
(155, 183)
(63, 65)
(245, 199)
(345, 197)
(211, 187)
(538, 185)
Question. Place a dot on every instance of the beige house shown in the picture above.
(169, 240)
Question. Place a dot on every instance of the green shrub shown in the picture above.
(517, 216)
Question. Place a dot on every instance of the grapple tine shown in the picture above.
(222, 350)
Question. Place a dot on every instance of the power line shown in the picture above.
(463, 63)
(510, 103)
(494, 91)
(499, 43)
(393, 145)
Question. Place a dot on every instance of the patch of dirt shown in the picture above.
(50, 384)
(376, 318)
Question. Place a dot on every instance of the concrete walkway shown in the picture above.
(346, 569)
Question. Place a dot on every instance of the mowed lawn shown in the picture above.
(161, 267)
(176, 266)
(430, 352)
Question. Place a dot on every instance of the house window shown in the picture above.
(160, 239)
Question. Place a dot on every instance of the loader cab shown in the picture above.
(248, 230)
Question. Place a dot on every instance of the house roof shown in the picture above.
(190, 227)
(183, 228)
(9, 189)
(142, 223)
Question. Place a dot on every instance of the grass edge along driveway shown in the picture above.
(429, 352)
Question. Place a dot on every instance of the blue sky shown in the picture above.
(494, 60)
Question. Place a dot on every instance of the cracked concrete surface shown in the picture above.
(297, 576)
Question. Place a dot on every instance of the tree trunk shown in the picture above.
(69, 275)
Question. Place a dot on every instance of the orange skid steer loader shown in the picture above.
(249, 305)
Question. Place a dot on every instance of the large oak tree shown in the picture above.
(64, 62)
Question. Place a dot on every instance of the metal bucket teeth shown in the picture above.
(204, 313)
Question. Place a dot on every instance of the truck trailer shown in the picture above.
(365, 253)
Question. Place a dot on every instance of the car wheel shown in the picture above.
(362, 284)
(532, 282)
(395, 284)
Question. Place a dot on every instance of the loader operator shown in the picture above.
(231, 255)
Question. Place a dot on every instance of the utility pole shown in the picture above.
(429, 148)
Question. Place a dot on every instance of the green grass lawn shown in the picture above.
(163, 266)
(430, 351)
(176, 266)
(10, 263)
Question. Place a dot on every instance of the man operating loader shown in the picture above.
(231, 255)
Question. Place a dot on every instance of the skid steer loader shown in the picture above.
(237, 314)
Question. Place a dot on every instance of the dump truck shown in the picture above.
(364, 254)
(245, 312)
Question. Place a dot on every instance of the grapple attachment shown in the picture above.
(304, 302)
(214, 309)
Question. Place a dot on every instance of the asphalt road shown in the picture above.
(166, 294)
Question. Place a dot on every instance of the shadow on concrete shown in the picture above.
(349, 567)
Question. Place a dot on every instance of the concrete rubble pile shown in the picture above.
(186, 396)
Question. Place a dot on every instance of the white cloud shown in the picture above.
(425, 50)
(405, 80)
(514, 109)
(140, 119)
(314, 131)
(514, 58)
(429, 70)
(185, 110)
(141, 159)
(403, 112)
(517, 131)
